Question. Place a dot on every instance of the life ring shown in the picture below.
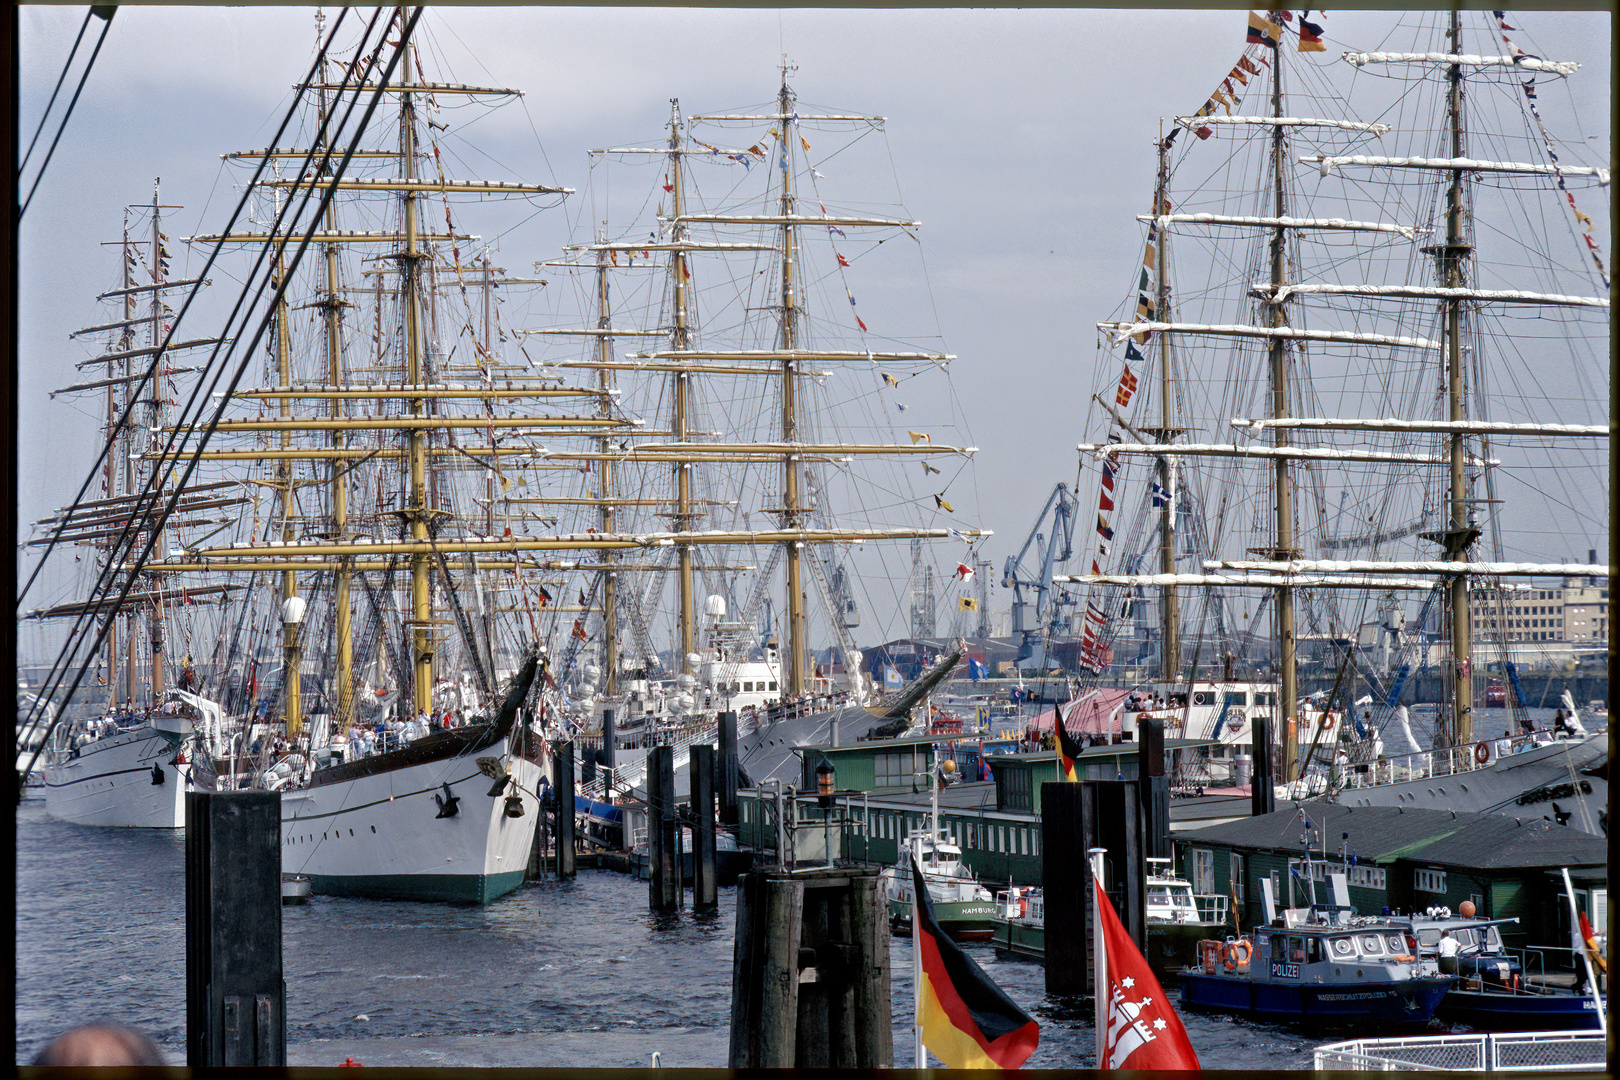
(1482, 752)
(1326, 721)
(1242, 950)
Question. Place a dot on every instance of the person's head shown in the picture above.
(1445, 933)
(101, 1044)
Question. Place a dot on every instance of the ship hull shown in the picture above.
(110, 782)
(1171, 947)
(381, 834)
(1525, 784)
(1405, 1001)
(962, 920)
(1488, 1010)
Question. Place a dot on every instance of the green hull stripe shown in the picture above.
(469, 888)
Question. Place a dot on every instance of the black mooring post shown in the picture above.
(1066, 885)
(609, 756)
(235, 995)
(1153, 788)
(726, 785)
(705, 877)
(564, 790)
(663, 866)
(1262, 799)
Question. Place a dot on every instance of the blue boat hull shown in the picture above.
(1408, 1001)
(1494, 1011)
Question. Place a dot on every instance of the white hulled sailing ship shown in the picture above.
(400, 728)
(1406, 300)
(122, 761)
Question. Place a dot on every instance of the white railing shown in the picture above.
(1428, 764)
(1211, 907)
(1544, 1051)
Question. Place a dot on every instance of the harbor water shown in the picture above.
(579, 974)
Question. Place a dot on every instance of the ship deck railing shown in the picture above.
(1429, 764)
(1541, 1051)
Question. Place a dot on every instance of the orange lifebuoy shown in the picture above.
(1482, 752)
(1242, 950)
(1327, 721)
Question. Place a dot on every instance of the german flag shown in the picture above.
(1068, 749)
(966, 1020)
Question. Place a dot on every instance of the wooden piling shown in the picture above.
(705, 873)
(810, 975)
(235, 994)
(663, 828)
(726, 782)
(564, 789)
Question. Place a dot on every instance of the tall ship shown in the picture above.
(119, 758)
(1362, 362)
(381, 662)
(783, 451)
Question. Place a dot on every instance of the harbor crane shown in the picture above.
(1060, 505)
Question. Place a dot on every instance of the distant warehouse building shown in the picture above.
(1408, 859)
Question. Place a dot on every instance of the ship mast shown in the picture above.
(1170, 600)
(793, 675)
(416, 508)
(1283, 545)
(337, 477)
(1461, 532)
(680, 427)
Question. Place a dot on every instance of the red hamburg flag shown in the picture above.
(1143, 1030)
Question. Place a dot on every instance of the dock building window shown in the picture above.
(1016, 788)
(1365, 877)
(1429, 880)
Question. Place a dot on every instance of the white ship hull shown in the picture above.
(110, 782)
(381, 835)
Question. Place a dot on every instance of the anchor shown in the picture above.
(447, 803)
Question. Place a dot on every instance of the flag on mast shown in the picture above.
(1137, 1028)
(964, 1018)
(1068, 748)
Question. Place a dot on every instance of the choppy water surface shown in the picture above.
(580, 974)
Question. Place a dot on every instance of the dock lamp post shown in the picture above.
(825, 776)
(292, 617)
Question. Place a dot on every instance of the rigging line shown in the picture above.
(60, 79)
(110, 571)
(137, 390)
(78, 633)
(46, 164)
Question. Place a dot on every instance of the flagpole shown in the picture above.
(1586, 955)
(921, 1062)
(1099, 961)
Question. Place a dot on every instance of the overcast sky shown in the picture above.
(1022, 140)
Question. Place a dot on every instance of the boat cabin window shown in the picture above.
(1372, 944)
(772, 686)
(1265, 698)
(1343, 947)
(1203, 697)
(1236, 697)
(1429, 937)
(1296, 949)
(1493, 940)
